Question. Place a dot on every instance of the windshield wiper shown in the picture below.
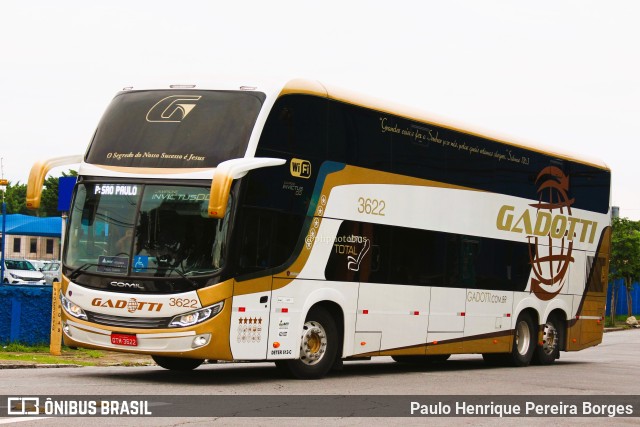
(181, 274)
(76, 272)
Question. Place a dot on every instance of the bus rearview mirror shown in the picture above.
(224, 175)
(39, 171)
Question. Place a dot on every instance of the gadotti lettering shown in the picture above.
(131, 305)
(541, 223)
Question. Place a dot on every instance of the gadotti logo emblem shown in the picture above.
(132, 305)
(172, 109)
(551, 270)
(551, 231)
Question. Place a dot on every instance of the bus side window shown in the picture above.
(254, 241)
(267, 239)
(297, 125)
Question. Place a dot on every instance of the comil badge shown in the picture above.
(172, 109)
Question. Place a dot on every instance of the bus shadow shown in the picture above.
(256, 373)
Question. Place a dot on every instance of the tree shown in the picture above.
(16, 197)
(625, 255)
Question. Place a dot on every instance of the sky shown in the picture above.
(561, 74)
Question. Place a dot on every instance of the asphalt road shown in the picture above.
(606, 370)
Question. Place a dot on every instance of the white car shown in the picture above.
(21, 272)
(39, 264)
(51, 272)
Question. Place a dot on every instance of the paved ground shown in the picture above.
(108, 358)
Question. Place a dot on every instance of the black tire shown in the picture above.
(318, 347)
(524, 345)
(415, 359)
(549, 351)
(524, 341)
(177, 363)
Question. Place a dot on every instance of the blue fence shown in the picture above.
(621, 303)
(25, 314)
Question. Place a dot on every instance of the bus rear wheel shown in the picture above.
(524, 345)
(524, 341)
(549, 351)
(177, 363)
(318, 347)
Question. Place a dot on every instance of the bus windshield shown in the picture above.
(144, 230)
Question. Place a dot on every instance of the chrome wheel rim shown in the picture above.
(523, 337)
(549, 339)
(313, 345)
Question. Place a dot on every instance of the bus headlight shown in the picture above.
(72, 308)
(197, 316)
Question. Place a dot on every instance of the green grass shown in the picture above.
(15, 347)
(619, 321)
(95, 354)
(43, 359)
(40, 354)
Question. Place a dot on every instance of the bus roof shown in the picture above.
(275, 87)
(311, 87)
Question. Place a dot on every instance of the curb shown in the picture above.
(617, 328)
(36, 365)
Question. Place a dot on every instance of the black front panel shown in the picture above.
(175, 129)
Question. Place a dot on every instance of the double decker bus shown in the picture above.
(307, 225)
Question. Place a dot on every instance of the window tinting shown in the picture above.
(385, 142)
(404, 256)
(175, 129)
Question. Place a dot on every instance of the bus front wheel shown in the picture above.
(177, 363)
(318, 347)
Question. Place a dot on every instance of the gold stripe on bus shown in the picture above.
(219, 196)
(216, 293)
(253, 286)
(499, 342)
(219, 347)
(586, 330)
(352, 175)
(304, 87)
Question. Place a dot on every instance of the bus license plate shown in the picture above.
(124, 339)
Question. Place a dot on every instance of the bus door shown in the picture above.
(249, 329)
(447, 308)
(391, 317)
(392, 310)
(446, 319)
